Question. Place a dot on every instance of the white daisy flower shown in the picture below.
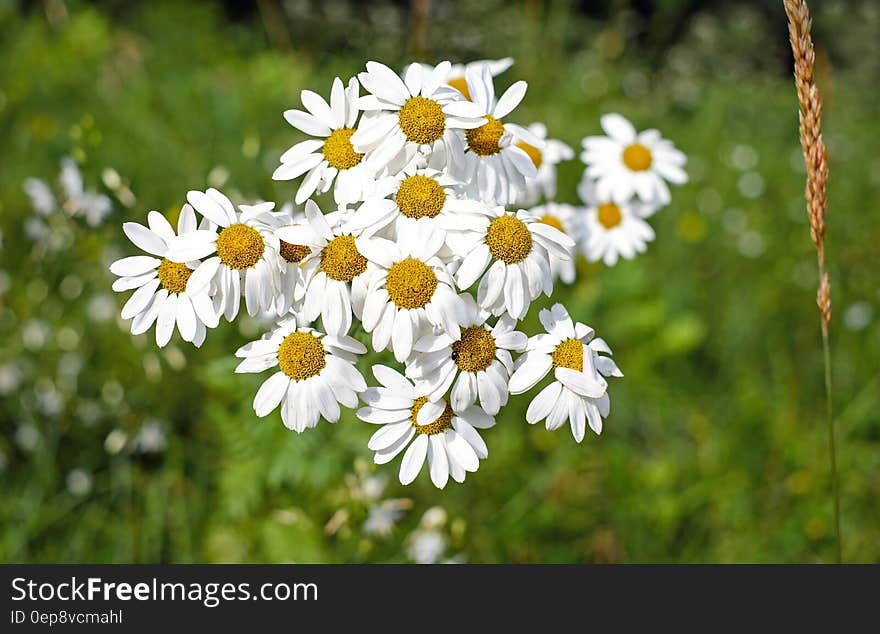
(478, 362)
(570, 221)
(316, 374)
(579, 392)
(410, 289)
(418, 114)
(164, 294)
(514, 246)
(447, 436)
(495, 168)
(545, 159)
(613, 229)
(244, 253)
(335, 275)
(331, 155)
(417, 195)
(290, 286)
(626, 163)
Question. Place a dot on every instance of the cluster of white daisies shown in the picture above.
(427, 252)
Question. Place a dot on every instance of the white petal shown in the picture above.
(315, 104)
(186, 317)
(529, 373)
(580, 383)
(437, 461)
(139, 300)
(461, 451)
(271, 392)
(134, 265)
(543, 403)
(166, 320)
(510, 99)
(307, 123)
(618, 128)
(413, 459)
(145, 239)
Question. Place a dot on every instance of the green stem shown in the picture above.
(832, 444)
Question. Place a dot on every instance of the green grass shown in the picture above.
(715, 449)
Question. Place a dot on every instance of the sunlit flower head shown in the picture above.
(509, 256)
(329, 157)
(410, 291)
(627, 163)
(579, 392)
(494, 167)
(613, 229)
(417, 196)
(335, 272)
(476, 364)
(415, 115)
(164, 295)
(242, 252)
(426, 429)
(315, 374)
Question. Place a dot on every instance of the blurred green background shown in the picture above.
(715, 450)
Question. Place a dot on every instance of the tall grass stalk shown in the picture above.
(815, 157)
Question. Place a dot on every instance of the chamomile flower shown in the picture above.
(411, 289)
(315, 374)
(425, 428)
(545, 159)
(579, 392)
(334, 272)
(494, 166)
(330, 156)
(626, 163)
(164, 295)
(514, 247)
(475, 364)
(290, 283)
(417, 195)
(243, 254)
(613, 229)
(416, 115)
(569, 220)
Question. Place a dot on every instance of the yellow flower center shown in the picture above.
(475, 350)
(460, 84)
(420, 197)
(609, 215)
(422, 120)
(553, 221)
(509, 239)
(240, 246)
(301, 355)
(411, 283)
(341, 261)
(569, 354)
(293, 253)
(637, 157)
(485, 140)
(173, 276)
(339, 151)
(533, 152)
(443, 422)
